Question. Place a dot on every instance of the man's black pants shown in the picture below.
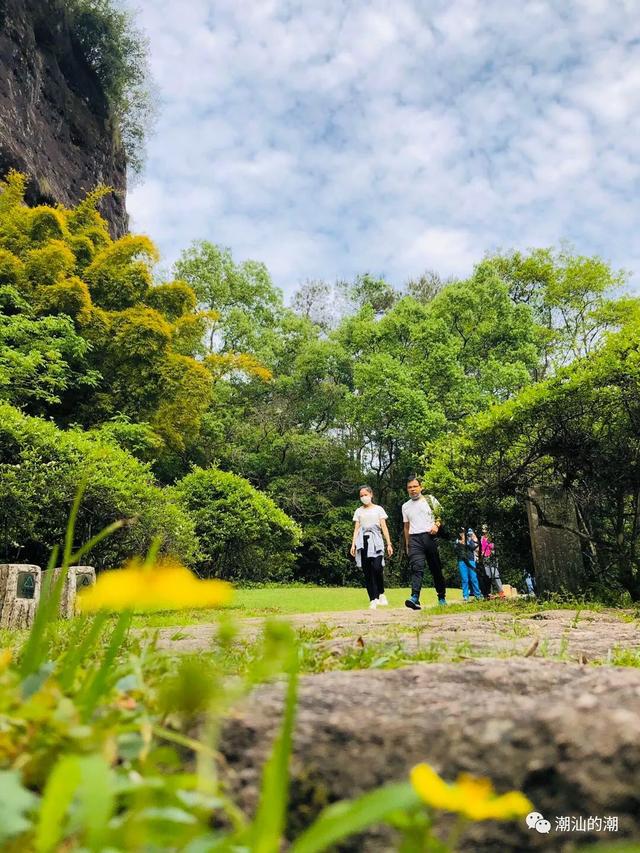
(424, 548)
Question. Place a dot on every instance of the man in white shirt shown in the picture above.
(422, 522)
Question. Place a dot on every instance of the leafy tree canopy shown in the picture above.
(85, 336)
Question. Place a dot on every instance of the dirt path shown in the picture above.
(578, 635)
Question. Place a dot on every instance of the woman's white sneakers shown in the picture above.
(378, 602)
(373, 605)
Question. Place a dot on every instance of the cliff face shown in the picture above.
(54, 117)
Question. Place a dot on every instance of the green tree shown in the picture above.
(377, 293)
(245, 305)
(41, 468)
(85, 336)
(425, 287)
(40, 360)
(244, 534)
(574, 297)
(578, 430)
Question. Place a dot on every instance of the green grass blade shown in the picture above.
(154, 550)
(34, 652)
(99, 683)
(37, 646)
(79, 650)
(61, 786)
(71, 525)
(96, 799)
(89, 780)
(268, 826)
(348, 817)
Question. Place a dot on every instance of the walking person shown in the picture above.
(465, 549)
(422, 520)
(367, 546)
(488, 550)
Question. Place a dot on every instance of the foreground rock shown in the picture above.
(567, 735)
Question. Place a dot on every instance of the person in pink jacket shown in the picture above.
(488, 552)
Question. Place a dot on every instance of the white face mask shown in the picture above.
(366, 499)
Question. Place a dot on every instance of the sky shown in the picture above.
(338, 137)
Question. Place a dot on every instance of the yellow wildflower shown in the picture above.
(469, 796)
(5, 658)
(166, 585)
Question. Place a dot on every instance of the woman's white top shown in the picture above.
(369, 516)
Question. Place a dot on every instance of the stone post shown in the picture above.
(557, 552)
(77, 578)
(19, 594)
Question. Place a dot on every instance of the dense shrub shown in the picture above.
(244, 535)
(41, 468)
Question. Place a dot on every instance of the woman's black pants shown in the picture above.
(373, 578)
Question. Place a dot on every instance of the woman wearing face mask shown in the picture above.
(367, 545)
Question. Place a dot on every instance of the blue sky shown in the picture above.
(345, 136)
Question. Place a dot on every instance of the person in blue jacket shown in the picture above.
(465, 548)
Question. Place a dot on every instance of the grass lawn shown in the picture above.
(275, 600)
(319, 599)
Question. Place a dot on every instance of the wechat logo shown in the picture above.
(536, 821)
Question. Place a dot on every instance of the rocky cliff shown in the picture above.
(54, 117)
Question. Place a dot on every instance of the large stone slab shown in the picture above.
(77, 578)
(565, 734)
(19, 594)
(556, 549)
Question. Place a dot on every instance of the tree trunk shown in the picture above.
(19, 594)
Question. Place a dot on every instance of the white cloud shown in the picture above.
(331, 138)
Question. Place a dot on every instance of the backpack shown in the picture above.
(435, 506)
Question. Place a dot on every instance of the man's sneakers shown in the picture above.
(413, 602)
(382, 601)
(442, 602)
(373, 605)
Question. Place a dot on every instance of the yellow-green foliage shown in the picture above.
(188, 332)
(84, 217)
(120, 274)
(46, 223)
(174, 299)
(84, 250)
(187, 385)
(49, 263)
(70, 297)
(141, 334)
(142, 337)
(11, 269)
